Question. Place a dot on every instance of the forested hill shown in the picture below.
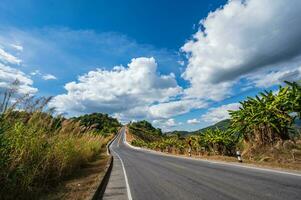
(100, 122)
(145, 131)
(222, 125)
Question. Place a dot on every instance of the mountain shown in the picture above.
(222, 125)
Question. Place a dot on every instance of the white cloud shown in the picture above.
(170, 123)
(8, 75)
(265, 80)
(193, 121)
(173, 108)
(166, 124)
(181, 62)
(238, 39)
(35, 72)
(42, 75)
(6, 57)
(49, 77)
(219, 113)
(17, 47)
(123, 90)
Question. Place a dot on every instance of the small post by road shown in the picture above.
(238, 156)
(189, 149)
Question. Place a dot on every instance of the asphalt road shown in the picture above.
(143, 175)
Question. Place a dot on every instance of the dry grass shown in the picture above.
(38, 150)
(83, 183)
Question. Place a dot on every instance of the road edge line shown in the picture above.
(128, 144)
(128, 190)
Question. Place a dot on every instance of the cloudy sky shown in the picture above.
(179, 64)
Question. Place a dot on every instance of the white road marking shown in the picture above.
(110, 143)
(128, 190)
(126, 142)
(210, 161)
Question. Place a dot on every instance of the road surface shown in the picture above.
(144, 175)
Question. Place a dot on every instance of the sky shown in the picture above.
(179, 64)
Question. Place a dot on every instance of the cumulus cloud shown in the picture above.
(193, 121)
(49, 77)
(219, 113)
(8, 75)
(121, 90)
(240, 38)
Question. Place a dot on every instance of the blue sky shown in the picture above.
(179, 64)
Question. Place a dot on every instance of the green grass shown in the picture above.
(37, 151)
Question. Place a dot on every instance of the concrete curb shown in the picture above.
(98, 194)
(128, 144)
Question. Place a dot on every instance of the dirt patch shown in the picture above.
(129, 137)
(83, 183)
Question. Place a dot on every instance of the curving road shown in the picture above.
(142, 175)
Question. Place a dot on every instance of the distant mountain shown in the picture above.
(180, 132)
(222, 125)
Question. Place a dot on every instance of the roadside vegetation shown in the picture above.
(265, 128)
(38, 149)
(102, 123)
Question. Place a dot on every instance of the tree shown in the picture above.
(267, 118)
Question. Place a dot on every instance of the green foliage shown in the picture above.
(145, 131)
(37, 150)
(139, 143)
(268, 117)
(263, 120)
(101, 123)
(215, 141)
(218, 141)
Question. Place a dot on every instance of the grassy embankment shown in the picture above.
(264, 129)
(38, 151)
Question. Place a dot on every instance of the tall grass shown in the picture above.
(37, 150)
